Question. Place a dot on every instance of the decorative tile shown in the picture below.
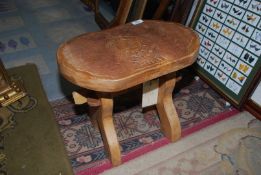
(249, 58)
(224, 6)
(16, 43)
(255, 6)
(226, 68)
(233, 86)
(254, 48)
(222, 77)
(201, 61)
(257, 35)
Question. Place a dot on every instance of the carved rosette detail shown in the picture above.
(140, 51)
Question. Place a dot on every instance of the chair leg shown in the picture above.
(108, 132)
(170, 123)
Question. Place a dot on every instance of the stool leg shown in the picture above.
(93, 113)
(170, 123)
(108, 132)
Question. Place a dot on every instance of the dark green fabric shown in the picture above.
(34, 146)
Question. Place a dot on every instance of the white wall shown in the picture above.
(256, 96)
(192, 12)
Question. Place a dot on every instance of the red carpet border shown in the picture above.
(198, 106)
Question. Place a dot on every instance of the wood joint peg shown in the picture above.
(81, 99)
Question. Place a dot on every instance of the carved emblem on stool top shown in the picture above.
(136, 50)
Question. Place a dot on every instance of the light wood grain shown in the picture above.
(105, 122)
(122, 57)
(167, 112)
(81, 99)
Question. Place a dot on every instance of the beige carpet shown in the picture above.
(232, 146)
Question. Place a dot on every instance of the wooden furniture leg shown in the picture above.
(168, 115)
(160, 10)
(120, 18)
(137, 10)
(108, 132)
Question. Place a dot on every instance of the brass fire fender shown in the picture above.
(10, 91)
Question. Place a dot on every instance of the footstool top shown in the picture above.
(122, 57)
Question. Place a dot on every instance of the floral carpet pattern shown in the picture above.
(195, 104)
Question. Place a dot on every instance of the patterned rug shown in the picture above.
(197, 105)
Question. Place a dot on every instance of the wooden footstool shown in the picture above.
(117, 59)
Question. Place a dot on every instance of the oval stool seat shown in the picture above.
(119, 58)
(125, 56)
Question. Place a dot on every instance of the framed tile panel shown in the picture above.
(230, 35)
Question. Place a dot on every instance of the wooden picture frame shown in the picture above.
(122, 14)
(253, 103)
(229, 55)
(253, 108)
